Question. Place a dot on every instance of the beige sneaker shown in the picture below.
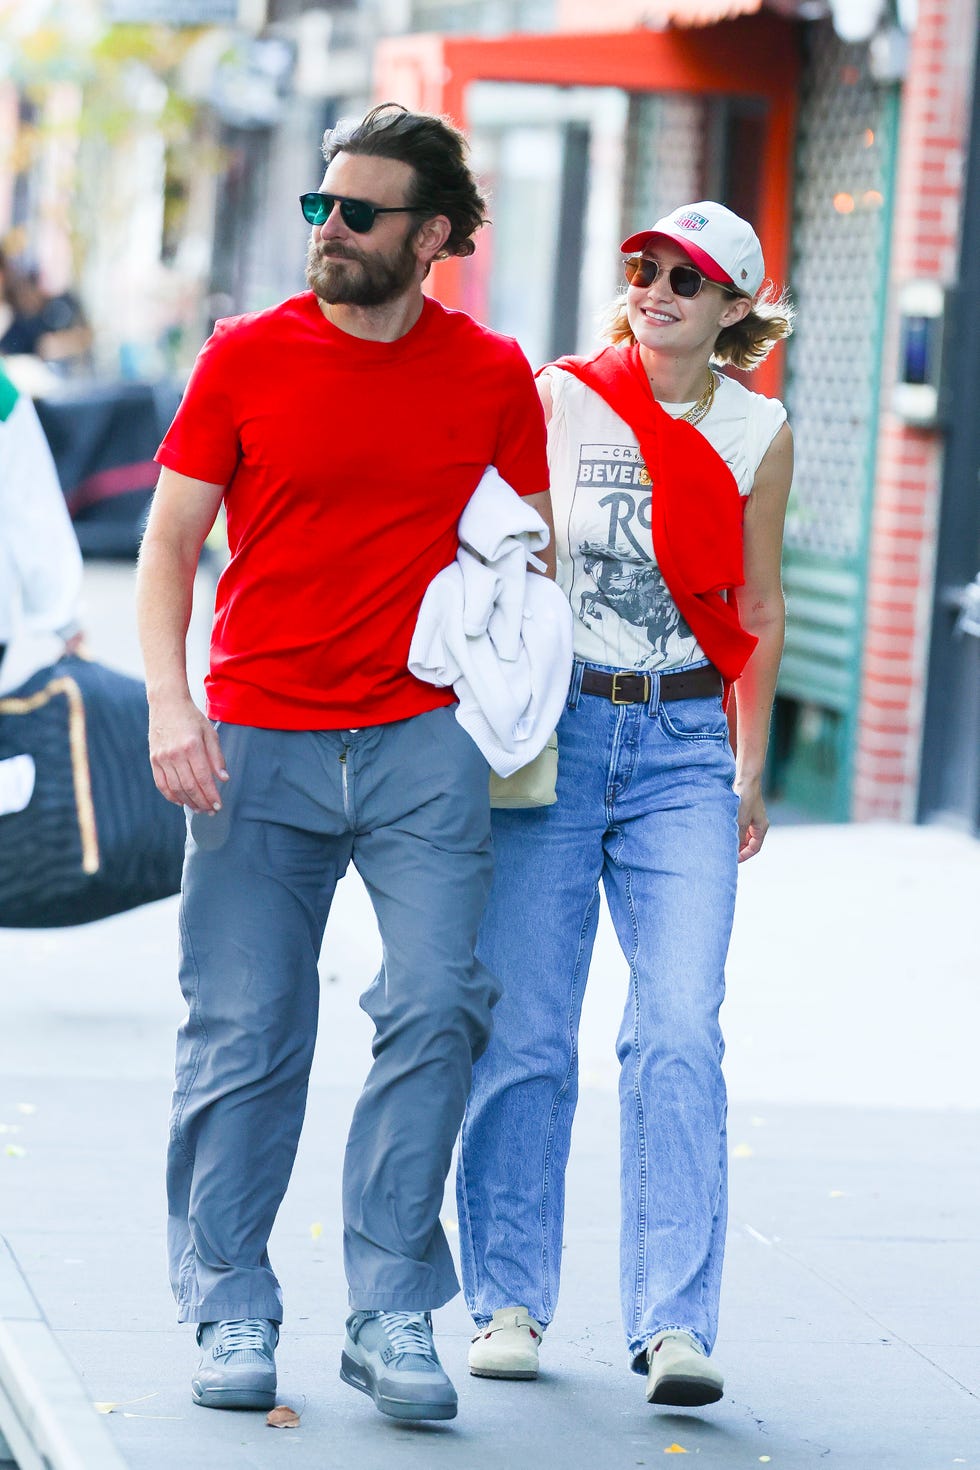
(680, 1374)
(507, 1347)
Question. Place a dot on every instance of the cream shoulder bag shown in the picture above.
(533, 785)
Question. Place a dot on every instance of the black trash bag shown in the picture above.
(96, 837)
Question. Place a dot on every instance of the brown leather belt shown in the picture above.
(636, 688)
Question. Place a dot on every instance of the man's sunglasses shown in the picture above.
(357, 214)
(685, 280)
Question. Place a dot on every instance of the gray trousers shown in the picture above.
(408, 803)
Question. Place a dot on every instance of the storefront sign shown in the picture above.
(172, 12)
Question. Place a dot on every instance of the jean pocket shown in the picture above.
(694, 719)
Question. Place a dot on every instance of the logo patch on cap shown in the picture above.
(690, 221)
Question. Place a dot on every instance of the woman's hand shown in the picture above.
(753, 823)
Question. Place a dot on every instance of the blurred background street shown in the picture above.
(151, 154)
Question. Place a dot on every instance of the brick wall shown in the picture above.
(926, 224)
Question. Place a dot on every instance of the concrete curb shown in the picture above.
(46, 1419)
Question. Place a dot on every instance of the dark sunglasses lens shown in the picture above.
(357, 215)
(640, 271)
(685, 280)
(316, 207)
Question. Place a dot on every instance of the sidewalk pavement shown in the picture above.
(851, 1313)
(850, 1331)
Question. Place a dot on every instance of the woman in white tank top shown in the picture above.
(652, 803)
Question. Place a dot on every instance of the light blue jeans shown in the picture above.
(645, 803)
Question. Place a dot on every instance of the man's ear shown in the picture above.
(431, 237)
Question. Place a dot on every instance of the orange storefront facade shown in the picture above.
(758, 62)
(841, 127)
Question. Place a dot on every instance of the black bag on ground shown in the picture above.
(96, 837)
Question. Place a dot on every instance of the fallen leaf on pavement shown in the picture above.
(282, 1417)
(675, 1449)
(316, 1230)
(110, 1408)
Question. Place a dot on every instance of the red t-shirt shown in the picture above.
(347, 464)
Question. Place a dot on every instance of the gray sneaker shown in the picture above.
(238, 1367)
(391, 1356)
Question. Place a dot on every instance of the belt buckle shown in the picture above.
(614, 694)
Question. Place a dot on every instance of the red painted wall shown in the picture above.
(754, 56)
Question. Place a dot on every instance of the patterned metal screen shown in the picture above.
(840, 237)
(838, 277)
(665, 149)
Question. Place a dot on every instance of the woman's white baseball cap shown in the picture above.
(723, 246)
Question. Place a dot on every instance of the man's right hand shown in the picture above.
(185, 753)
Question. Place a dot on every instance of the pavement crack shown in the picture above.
(893, 1335)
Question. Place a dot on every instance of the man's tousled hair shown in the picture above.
(436, 151)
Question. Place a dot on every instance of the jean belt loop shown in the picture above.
(653, 703)
(575, 687)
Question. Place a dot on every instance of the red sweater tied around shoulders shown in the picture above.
(696, 510)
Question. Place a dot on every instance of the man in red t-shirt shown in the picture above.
(345, 430)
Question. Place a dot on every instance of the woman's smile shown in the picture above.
(658, 315)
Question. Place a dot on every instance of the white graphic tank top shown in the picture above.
(623, 613)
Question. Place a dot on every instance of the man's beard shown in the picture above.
(364, 280)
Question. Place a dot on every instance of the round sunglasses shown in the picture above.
(685, 280)
(357, 214)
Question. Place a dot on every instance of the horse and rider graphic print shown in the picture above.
(617, 590)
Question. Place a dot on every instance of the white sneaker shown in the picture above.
(507, 1347)
(679, 1373)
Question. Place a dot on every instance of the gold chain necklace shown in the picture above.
(699, 410)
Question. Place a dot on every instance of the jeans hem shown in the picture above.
(484, 1322)
(231, 1312)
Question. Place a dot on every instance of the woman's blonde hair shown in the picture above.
(743, 345)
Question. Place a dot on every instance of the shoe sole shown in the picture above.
(517, 1373)
(358, 1377)
(233, 1398)
(685, 1393)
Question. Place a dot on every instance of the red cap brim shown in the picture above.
(709, 267)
